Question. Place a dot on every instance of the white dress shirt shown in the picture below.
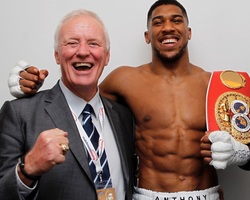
(103, 127)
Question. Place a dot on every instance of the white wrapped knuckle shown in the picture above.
(222, 157)
(13, 80)
(23, 64)
(16, 70)
(222, 136)
(218, 164)
(227, 151)
(14, 86)
(16, 91)
(221, 147)
(14, 77)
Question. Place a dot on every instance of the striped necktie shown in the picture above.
(103, 179)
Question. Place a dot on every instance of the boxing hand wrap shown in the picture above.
(13, 81)
(227, 151)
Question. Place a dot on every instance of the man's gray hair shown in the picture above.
(76, 13)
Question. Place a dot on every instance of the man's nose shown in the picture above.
(168, 26)
(83, 49)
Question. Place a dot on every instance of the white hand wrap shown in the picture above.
(13, 81)
(227, 151)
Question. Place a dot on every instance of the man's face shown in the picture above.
(82, 53)
(168, 32)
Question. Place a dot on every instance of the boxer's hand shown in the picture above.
(227, 151)
(32, 79)
(206, 148)
(25, 79)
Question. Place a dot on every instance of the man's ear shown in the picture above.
(146, 36)
(57, 57)
(107, 57)
(189, 33)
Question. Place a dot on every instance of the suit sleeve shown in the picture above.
(11, 148)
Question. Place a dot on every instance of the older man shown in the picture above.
(45, 149)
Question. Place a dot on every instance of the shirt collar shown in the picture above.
(77, 104)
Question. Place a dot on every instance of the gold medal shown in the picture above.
(232, 79)
(232, 115)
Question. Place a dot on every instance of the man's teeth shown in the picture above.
(167, 41)
(83, 65)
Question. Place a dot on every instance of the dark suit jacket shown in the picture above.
(246, 166)
(22, 120)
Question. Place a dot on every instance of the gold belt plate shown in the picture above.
(232, 115)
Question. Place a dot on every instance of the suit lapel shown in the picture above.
(60, 113)
(116, 125)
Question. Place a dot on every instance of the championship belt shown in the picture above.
(227, 104)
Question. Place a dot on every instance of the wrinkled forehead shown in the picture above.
(83, 22)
